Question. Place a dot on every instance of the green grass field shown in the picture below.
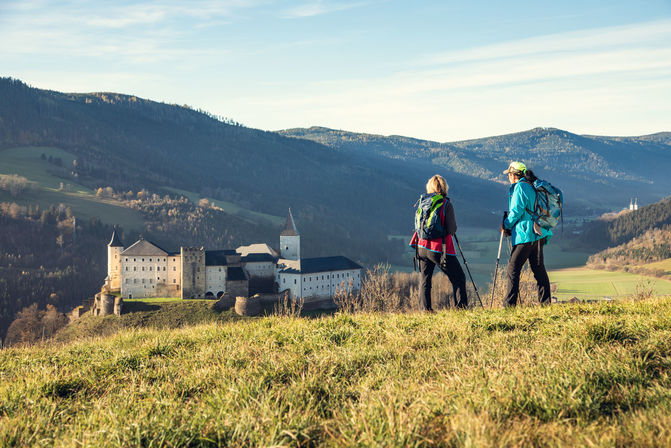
(26, 162)
(591, 283)
(566, 375)
(232, 208)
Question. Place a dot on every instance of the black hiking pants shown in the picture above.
(428, 260)
(519, 255)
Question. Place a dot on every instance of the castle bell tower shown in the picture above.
(290, 240)
(114, 249)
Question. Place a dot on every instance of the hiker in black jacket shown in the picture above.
(430, 252)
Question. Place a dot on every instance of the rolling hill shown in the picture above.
(597, 173)
(128, 143)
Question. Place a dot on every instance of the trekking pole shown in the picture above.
(496, 269)
(498, 257)
(468, 270)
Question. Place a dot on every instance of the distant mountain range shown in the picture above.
(598, 172)
(348, 191)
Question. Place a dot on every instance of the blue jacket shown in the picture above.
(521, 200)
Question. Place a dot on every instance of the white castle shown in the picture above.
(145, 270)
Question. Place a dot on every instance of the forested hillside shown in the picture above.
(127, 143)
(639, 255)
(603, 233)
(43, 260)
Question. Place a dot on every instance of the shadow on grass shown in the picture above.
(134, 307)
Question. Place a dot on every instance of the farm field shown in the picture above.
(26, 162)
(587, 283)
(565, 375)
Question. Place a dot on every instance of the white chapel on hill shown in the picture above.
(146, 270)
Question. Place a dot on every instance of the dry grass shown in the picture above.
(570, 375)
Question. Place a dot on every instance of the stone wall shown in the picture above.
(237, 288)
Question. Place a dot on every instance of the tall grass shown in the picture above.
(384, 291)
(566, 375)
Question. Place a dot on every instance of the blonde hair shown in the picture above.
(437, 184)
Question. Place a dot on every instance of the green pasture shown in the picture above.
(231, 208)
(26, 162)
(592, 283)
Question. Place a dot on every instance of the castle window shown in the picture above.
(135, 268)
(134, 280)
(284, 280)
(174, 280)
(151, 280)
(134, 259)
(174, 268)
(126, 268)
(142, 280)
(348, 274)
(322, 277)
(150, 259)
(143, 259)
(294, 281)
(115, 257)
(143, 268)
(150, 268)
(163, 268)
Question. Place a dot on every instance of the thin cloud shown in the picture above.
(319, 7)
(614, 76)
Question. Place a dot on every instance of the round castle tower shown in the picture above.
(114, 249)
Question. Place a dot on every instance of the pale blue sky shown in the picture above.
(442, 70)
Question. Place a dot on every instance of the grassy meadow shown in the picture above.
(26, 162)
(565, 375)
(595, 284)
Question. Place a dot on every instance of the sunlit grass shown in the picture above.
(566, 375)
(593, 283)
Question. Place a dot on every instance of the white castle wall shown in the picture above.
(321, 285)
(215, 279)
(142, 274)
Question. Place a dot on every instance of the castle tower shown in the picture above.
(631, 204)
(290, 240)
(114, 249)
(636, 204)
(193, 272)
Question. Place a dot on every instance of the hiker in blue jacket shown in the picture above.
(528, 238)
